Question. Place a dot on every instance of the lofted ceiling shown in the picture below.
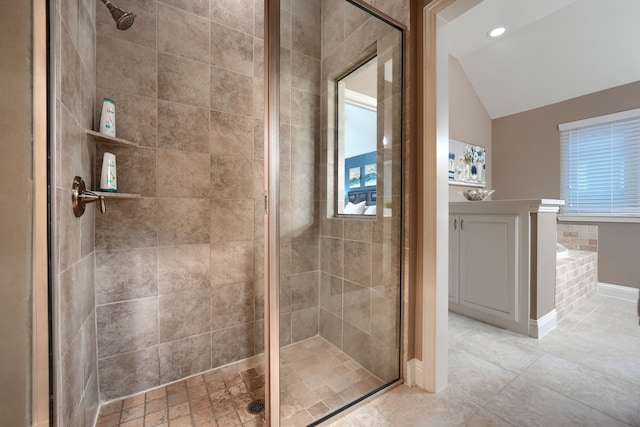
(553, 50)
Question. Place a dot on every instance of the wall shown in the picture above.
(74, 331)
(360, 258)
(526, 164)
(178, 276)
(468, 120)
(299, 136)
(16, 192)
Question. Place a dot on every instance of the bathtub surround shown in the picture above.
(578, 237)
(576, 280)
(577, 273)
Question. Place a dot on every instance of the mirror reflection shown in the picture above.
(357, 139)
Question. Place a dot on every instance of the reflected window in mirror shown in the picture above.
(357, 140)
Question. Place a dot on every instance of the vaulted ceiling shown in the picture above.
(553, 50)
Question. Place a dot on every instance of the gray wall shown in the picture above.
(468, 120)
(178, 286)
(74, 291)
(360, 258)
(526, 164)
(15, 215)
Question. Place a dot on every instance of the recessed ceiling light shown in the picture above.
(496, 32)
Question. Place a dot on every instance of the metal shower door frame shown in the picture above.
(272, 211)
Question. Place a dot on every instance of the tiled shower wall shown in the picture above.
(179, 271)
(360, 258)
(176, 269)
(72, 41)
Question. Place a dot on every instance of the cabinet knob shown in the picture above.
(455, 224)
(462, 224)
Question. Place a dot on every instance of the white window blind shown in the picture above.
(600, 165)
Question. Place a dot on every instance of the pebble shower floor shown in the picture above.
(316, 378)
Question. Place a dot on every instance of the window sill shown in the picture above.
(597, 218)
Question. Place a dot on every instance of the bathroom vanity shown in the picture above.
(502, 263)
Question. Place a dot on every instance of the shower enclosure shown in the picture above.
(254, 244)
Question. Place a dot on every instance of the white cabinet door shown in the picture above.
(454, 257)
(488, 273)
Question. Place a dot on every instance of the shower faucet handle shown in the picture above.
(80, 196)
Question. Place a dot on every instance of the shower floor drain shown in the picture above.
(256, 407)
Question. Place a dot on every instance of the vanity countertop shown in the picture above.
(508, 205)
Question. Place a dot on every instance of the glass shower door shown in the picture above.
(339, 207)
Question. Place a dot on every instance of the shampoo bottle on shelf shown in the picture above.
(108, 179)
(108, 118)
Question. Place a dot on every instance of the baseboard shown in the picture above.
(538, 328)
(620, 292)
(415, 373)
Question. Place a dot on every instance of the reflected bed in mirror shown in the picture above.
(467, 164)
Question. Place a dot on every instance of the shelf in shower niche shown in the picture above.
(108, 195)
(106, 139)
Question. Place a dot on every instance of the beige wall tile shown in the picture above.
(123, 275)
(331, 328)
(232, 305)
(183, 358)
(304, 290)
(197, 7)
(129, 224)
(182, 33)
(183, 268)
(183, 221)
(232, 220)
(128, 373)
(183, 127)
(182, 173)
(127, 326)
(231, 135)
(183, 314)
(126, 67)
(232, 262)
(304, 324)
(231, 49)
(231, 92)
(357, 306)
(233, 13)
(231, 177)
(229, 345)
(183, 80)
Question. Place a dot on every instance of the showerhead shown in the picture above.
(123, 19)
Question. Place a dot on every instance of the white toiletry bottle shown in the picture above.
(108, 117)
(108, 178)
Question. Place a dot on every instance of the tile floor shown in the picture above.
(586, 372)
(316, 377)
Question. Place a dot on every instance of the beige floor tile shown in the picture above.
(525, 403)
(484, 418)
(610, 395)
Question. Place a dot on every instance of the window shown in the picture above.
(600, 165)
(357, 140)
